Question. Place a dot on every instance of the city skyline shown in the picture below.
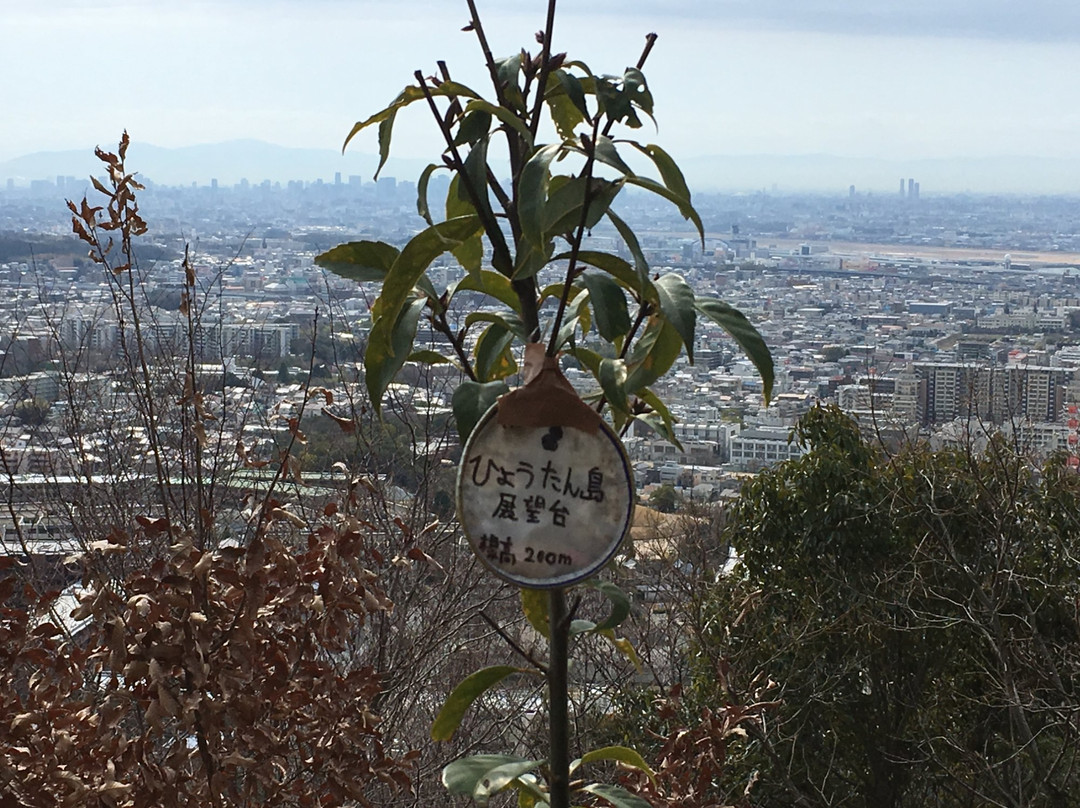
(861, 81)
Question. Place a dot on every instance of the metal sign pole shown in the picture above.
(558, 687)
(545, 498)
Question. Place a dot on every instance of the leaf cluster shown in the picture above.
(482, 776)
(506, 234)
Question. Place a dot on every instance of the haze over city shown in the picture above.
(968, 96)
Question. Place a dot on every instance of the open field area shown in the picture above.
(853, 249)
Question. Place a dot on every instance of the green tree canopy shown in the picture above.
(917, 614)
(665, 498)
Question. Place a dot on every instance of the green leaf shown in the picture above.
(607, 154)
(641, 266)
(622, 754)
(490, 283)
(743, 332)
(462, 775)
(590, 359)
(566, 331)
(427, 357)
(463, 696)
(623, 646)
(457, 199)
(614, 102)
(581, 627)
(532, 258)
(637, 90)
(677, 305)
(657, 424)
(575, 93)
(359, 260)
(580, 308)
(616, 267)
(601, 196)
(619, 797)
(381, 366)
(608, 304)
(620, 603)
(494, 359)
(470, 253)
(533, 192)
(475, 169)
(553, 291)
(564, 114)
(653, 354)
(502, 777)
(684, 206)
(612, 378)
(670, 172)
(534, 603)
(421, 192)
(386, 132)
(507, 71)
(665, 426)
(654, 401)
(531, 799)
(504, 115)
(407, 270)
(385, 117)
(509, 321)
(563, 211)
(471, 400)
(474, 126)
(405, 97)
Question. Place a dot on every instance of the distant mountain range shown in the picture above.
(256, 161)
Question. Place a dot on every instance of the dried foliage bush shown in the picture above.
(211, 678)
(690, 762)
(211, 657)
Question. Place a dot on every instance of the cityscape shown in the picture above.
(224, 362)
(557, 467)
(943, 317)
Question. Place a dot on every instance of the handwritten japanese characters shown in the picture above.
(544, 506)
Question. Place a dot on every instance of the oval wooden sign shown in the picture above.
(544, 507)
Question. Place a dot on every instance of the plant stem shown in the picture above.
(501, 258)
(575, 243)
(558, 688)
(545, 69)
(489, 59)
(440, 324)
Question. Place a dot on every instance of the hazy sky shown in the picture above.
(899, 79)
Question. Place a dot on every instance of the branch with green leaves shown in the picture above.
(483, 776)
(542, 281)
(541, 284)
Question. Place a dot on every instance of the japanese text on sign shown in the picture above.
(527, 501)
(543, 506)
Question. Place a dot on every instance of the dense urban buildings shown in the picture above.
(946, 318)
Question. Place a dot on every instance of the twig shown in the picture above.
(545, 69)
(501, 258)
(513, 644)
(441, 325)
(575, 243)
